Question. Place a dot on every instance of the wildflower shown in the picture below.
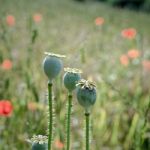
(129, 33)
(133, 53)
(37, 17)
(59, 144)
(99, 21)
(146, 65)
(6, 108)
(7, 64)
(124, 60)
(10, 20)
(32, 106)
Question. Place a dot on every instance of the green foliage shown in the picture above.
(80, 0)
(146, 5)
(131, 4)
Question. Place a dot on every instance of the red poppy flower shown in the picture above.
(7, 64)
(99, 21)
(146, 65)
(133, 53)
(33, 106)
(59, 144)
(124, 60)
(129, 33)
(37, 17)
(6, 108)
(10, 20)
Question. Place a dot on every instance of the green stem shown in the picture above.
(50, 125)
(87, 130)
(69, 106)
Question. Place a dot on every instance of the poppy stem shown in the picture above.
(69, 106)
(50, 125)
(87, 129)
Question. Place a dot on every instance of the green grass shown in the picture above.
(68, 28)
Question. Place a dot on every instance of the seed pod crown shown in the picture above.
(86, 84)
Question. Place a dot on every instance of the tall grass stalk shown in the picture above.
(50, 125)
(87, 131)
(68, 120)
(132, 130)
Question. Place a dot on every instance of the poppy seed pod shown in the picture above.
(86, 93)
(71, 77)
(39, 142)
(52, 65)
(37, 146)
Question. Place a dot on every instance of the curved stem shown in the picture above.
(50, 125)
(87, 130)
(69, 106)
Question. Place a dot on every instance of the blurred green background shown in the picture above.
(120, 119)
(142, 5)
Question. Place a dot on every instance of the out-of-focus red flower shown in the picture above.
(146, 65)
(33, 106)
(6, 64)
(99, 21)
(59, 144)
(37, 17)
(6, 108)
(10, 20)
(129, 33)
(124, 60)
(133, 53)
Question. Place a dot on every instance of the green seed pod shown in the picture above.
(39, 142)
(37, 146)
(71, 77)
(52, 65)
(86, 93)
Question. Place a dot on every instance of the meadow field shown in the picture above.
(112, 48)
